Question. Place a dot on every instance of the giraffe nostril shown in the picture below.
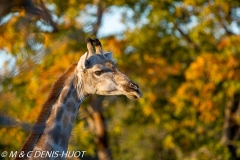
(133, 86)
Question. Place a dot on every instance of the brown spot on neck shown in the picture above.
(71, 107)
(65, 121)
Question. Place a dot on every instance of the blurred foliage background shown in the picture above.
(184, 54)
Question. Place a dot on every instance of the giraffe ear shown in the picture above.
(82, 64)
(108, 55)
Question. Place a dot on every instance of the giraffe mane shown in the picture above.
(46, 109)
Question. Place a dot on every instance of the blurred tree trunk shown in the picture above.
(99, 16)
(100, 128)
(231, 129)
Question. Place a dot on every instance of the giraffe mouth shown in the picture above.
(135, 92)
(134, 96)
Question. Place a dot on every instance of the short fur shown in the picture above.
(46, 108)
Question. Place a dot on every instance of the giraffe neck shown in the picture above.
(58, 125)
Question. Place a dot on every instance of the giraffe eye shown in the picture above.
(98, 73)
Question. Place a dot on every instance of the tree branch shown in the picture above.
(6, 121)
(6, 6)
(186, 37)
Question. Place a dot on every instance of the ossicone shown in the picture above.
(98, 46)
(89, 42)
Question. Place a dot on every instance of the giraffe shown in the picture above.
(95, 73)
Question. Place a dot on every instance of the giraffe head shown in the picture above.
(96, 73)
